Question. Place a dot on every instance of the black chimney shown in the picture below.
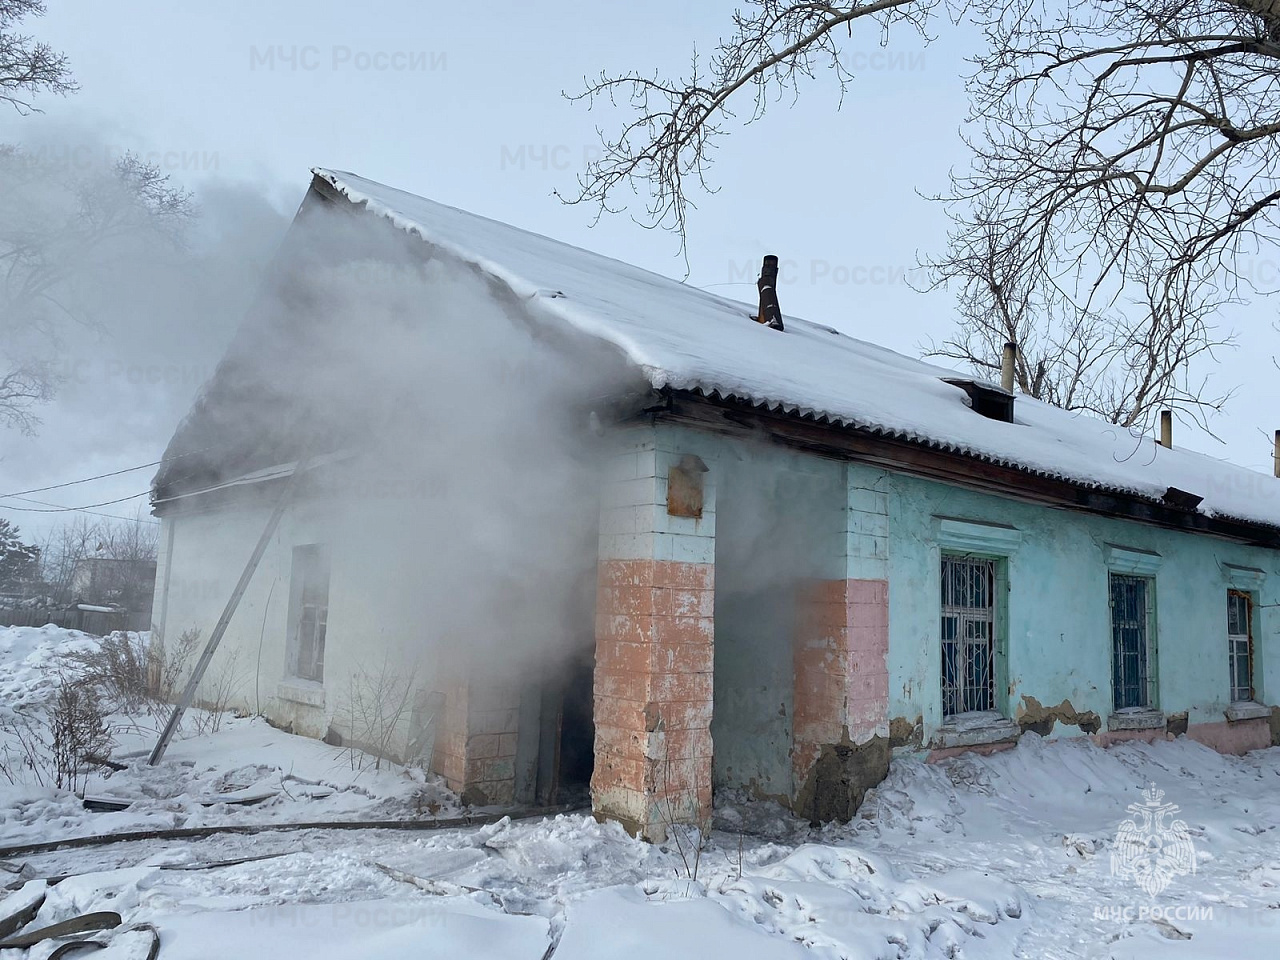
(770, 313)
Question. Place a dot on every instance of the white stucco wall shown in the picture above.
(375, 614)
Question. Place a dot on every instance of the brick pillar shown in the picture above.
(654, 646)
(841, 658)
(475, 747)
(867, 602)
(449, 755)
(821, 673)
(868, 683)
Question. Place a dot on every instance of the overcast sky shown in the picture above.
(462, 103)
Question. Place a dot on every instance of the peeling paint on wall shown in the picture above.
(839, 781)
(1034, 716)
(906, 733)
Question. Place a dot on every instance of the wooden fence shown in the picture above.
(73, 617)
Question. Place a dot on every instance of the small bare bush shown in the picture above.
(78, 733)
(58, 745)
(215, 694)
(24, 753)
(377, 707)
(167, 665)
(689, 839)
(116, 667)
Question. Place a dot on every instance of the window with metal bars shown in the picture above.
(1132, 680)
(1240, 644)
(968, 634)
(309, 611)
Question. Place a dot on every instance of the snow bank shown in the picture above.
(300, 778)
(982, 858)
(371, 930)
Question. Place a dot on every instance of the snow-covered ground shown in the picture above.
(301, 779)
(975, 857)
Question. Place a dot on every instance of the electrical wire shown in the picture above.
(56, 508)
(101, 476)
(94, 513)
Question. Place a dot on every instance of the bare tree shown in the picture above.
(64, 547)
(132, 540)
(1123, 175)
(63, 232)
(129, 541)
(1127, 152)
(1120, 364)
(27, 66)
(58, 227)
(674, 124)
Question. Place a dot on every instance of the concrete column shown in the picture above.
(654, 641)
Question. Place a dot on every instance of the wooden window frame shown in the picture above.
(1233, 644)
(308, 612)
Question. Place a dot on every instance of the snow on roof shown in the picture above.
(685, 338)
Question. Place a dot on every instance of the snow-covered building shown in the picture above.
(808, 552)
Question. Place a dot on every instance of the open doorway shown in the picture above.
(555, 748)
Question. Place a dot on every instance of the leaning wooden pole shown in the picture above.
(197, 673)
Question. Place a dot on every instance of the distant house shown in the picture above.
(812, 552)
(104, 580)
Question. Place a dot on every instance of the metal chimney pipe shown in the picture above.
(1007, 362)
(1166, 428)
(1277, 470)
(770, 312)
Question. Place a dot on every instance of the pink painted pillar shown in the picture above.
(654, 644)
(842, 646)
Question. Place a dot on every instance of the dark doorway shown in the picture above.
(573, 737)
(555, 752)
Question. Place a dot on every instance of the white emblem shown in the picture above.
(1150, 851)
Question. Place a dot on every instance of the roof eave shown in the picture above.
(934, 460)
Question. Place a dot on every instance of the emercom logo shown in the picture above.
(1151, 849)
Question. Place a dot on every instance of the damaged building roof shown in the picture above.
(685, 338)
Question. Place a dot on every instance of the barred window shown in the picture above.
(968, 634)
(1240, 644)
(1131, 675)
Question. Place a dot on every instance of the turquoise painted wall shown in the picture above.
(1059, 638)
(774, 520)
(861, 521)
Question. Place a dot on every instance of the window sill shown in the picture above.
(1247, 710)
(1139, 718)
(974, 729)
(297, 690)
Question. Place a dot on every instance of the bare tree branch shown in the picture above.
(28, 67)
(1124, 169)
(674, 123)
(62, 234)
(1126, 153)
